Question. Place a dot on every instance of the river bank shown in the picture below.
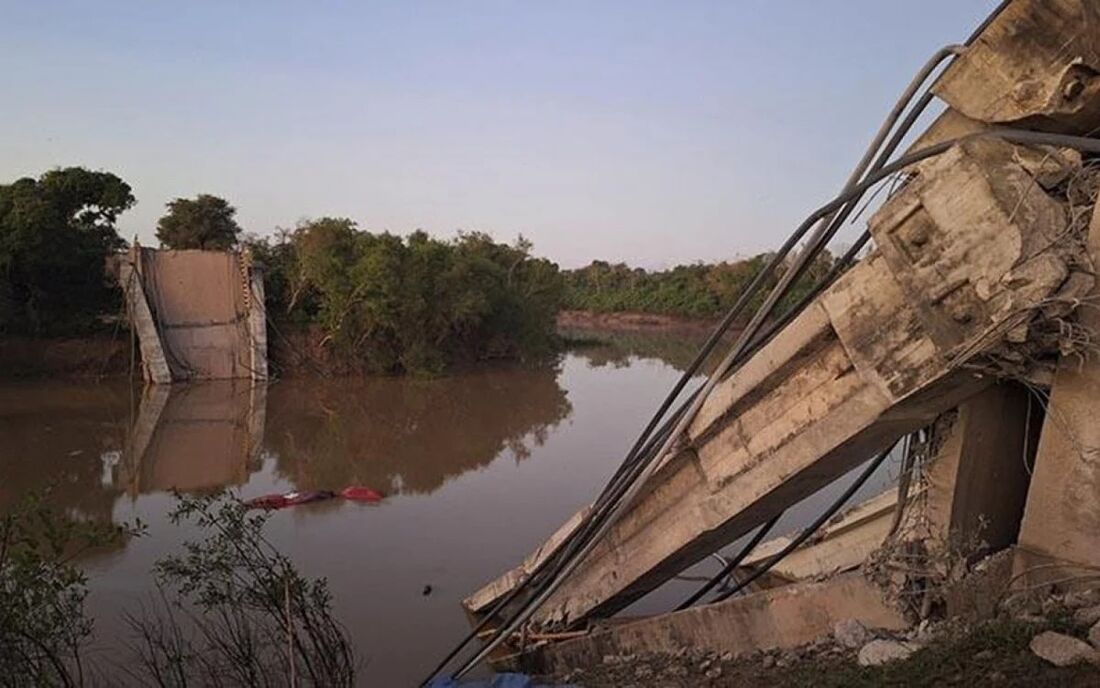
(632, 321)
(450, 454)
(75, 358)
(1029, 642)
(297, 352)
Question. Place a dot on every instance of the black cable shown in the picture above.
(732, 564)
(1010, 135)
(635, 452)
(552, 559)
(722, 328)
(808, 530)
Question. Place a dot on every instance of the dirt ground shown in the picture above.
(97, 356)
(994, 653)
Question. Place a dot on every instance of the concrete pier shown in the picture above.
(1061, 523)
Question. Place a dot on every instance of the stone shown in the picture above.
(984, 655)
(878, 652)
(1086, 616)
(1094, 635)
(1084, 598)
(767, 662)
(1061, 650)
(851, 634)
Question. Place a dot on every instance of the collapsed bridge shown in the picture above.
(198, 315)
(978, 298)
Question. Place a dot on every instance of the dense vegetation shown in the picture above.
(399, 304)
(55, 233)
(696, 291)
(411, 304)
(229, 609)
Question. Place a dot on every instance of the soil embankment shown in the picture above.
(632, 322)
(97, 356)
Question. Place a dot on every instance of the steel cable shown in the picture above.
(1011, 135)
(627, 475)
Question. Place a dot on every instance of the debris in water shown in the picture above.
(361, 494)
(281, 501)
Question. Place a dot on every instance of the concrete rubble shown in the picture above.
(1062, 650)
(968, 312)
(879, 652)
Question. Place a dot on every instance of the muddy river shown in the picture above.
(478, 468)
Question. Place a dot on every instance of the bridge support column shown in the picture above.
(1062, 518)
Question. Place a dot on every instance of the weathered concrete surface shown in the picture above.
(1062, 517)
(780, 618)
(1036, 65)
(196, 314)
(153, 362)
(978, 480)
(257, 318)
(842, 544)
(990, 443)
(878, 355)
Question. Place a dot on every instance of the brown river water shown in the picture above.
(478, 469)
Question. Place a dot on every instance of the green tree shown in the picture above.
(44, 630)
(414, 304)
(699, 290)
(55, 235)
(204, 222)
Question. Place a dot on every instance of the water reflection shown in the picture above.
(409, 436)
(193, 437)
(397, 435)
(479, 467)
(65, 437)
(618, 349)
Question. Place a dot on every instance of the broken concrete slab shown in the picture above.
(881, 353)
(1062, 517)
(842, 544)
(1036, 65)
(772, 619)
(986, 443)
(154, 364)
(199, 314)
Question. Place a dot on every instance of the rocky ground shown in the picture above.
(1049, 642)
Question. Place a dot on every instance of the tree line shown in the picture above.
(699, 290)
(402, 304)
(399, 303)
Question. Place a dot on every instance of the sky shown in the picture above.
(653, 133)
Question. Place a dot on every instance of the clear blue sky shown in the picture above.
(650, 132)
